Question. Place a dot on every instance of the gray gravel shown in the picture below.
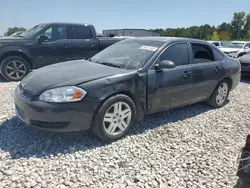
(194, 146)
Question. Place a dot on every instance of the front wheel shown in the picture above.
(14, 68)
(114, 118)
(220, 95)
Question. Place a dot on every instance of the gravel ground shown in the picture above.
(194, 146)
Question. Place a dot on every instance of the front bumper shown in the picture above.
(245, 69)
(244, 166)
(58, 118)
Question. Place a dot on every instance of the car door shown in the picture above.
(207, 70)
(84, 44)
(56, 49)
(168, 88)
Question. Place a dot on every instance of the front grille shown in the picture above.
(25, 93)
(44, 124)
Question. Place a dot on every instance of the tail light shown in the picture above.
(238, 61)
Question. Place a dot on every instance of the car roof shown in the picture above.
(169, 39)
(213, 41)
(242, 42)
(65, 23)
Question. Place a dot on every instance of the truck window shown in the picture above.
(82, 32)
(56, 33)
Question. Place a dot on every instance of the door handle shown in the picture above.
(67, 46)
(186, 74)
(217, 69)
(92, 45)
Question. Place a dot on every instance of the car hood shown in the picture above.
(5, 41)
(67, 73)
(230, 49)
(245, 59)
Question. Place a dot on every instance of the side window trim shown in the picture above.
(163, 50)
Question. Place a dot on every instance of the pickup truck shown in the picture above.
(46, 44)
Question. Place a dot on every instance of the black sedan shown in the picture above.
(245, 64)
(244, 166)
(121, 84)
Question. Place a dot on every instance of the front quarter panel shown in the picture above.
(99, 90)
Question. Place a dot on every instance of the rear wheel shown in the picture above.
(220, 95)
(14, 68)
(114, 118)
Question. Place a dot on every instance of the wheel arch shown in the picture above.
(230, 81)
(139, 108)
(21, 54)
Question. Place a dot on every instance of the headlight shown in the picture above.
(63, 94)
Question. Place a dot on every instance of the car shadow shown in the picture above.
(22, 141)
(2, 80)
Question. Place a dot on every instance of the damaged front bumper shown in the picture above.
(57, 118)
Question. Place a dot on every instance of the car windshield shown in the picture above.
(128, 54)
(29, 33)
(234, 45)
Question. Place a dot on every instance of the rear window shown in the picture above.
(82, 32)
(216, 43)
(217, 55)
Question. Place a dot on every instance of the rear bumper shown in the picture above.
(57, 118)
(235, 80)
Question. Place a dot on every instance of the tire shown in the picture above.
(214, 101)
(10, 72)
(103, 128)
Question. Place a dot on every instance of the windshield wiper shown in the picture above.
(110, 64)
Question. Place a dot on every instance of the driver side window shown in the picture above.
(56, 33)
(177, 53)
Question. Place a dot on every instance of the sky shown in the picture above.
(115, 14)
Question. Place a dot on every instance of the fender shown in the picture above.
(9, 50)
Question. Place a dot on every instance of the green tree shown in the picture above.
(215, 36)
(224, 35)
(246, 28)
(238, 28)
(237, 24)
(12, 30)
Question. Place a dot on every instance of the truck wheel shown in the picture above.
(220, 94)
(114, 118)
(14, 68)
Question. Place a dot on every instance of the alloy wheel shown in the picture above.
(222, 93)
(117, 118)
(15, 69)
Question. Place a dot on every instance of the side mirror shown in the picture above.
(42, 38)
(247, 48)
(165, 64)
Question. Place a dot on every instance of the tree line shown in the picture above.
(237, 29)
